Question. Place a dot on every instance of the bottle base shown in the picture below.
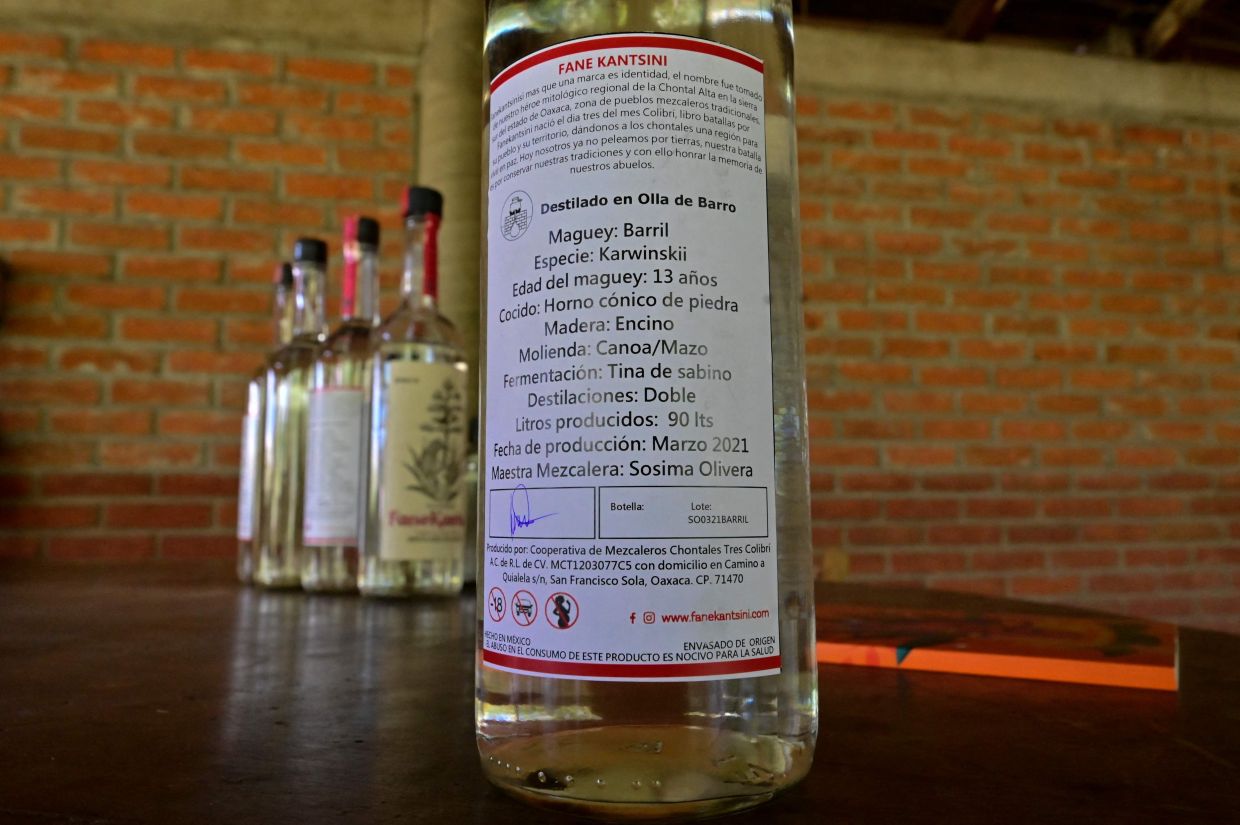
(656, 772)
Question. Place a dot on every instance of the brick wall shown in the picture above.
(1023, 324)
(1023, 335)
(146, 188)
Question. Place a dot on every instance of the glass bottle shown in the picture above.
(284, 423)
(249, 494)
(414, 519)
(336, 431)
(558, 124)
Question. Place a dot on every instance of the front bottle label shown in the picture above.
(421, 492)
(629, 479)
(333, 466)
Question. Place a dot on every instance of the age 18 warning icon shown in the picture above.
(516, 214)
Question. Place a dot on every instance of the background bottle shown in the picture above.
(249, 494)
(336, 425)
(658, 748)
(284, 422)
(414, 521)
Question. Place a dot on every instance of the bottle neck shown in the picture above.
(359, 287)
(420, 284)
(282, 315)
(308, 320)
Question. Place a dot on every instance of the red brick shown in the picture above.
(922, 509)
(171, 268)
(49, 390)
(907, 243)
(65, 200)
(120, 172)
(933, 217)
(997, 560)
(118, 235)
(283, 153)
(127, 54)
(153, 515)
(1058, 153)
(979, 147)
(836, 509)
(180, 89)
(200, 484)
(224, 300)
(843, 456)
(994, 456)
(1019, 222)
(217, 60)
(920, 456)
(221, 239)
(374, 160)
(915, 348)
(928, 562)
(14, 357)
(35, 230)
(177, 146)
(283, 96)
(862, 212)
(1088, 179)
(31, 107)
(107, 422)
(949, 322)
(95, 484)
(330, 71)
(332, 187)
(1045, 585)
(906, 140)
(57, 325)
(63, 80)
(161, 392)
(1167, 184)
(116, 296)
(20, 44)
(958, 482)
(30, 516)
(953, 376)
(1123, 583)
(1030, 378)
(207, 361)
(937, 167)
(848, 160)
(1146, 457)
(173, 206)
(151, 454)
(107, 359)
(109, 547)
(1154, 134)
(993, 403)
(161, 329)
(853, 320)
(925, 116)
(227, 179)
(212, 546)
(14, 167)
(234, 121)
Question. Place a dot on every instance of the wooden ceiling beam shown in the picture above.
(972, 20)
(1165, 36)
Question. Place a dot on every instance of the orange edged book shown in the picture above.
(1085, 649)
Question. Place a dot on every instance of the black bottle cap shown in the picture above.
(362, 229)
(310, 250)
(422, 200)
(284, 275)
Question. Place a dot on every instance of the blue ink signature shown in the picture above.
(521, 519)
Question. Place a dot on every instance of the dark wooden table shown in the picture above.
(174, 696)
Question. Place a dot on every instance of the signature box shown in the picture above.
(688, 512)
(541, 513)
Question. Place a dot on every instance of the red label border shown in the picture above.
(624, 41)
(631, 671)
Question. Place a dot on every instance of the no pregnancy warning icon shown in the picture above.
(561, 611)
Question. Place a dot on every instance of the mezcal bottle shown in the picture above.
(414, 511)
(336, 425)
(284, 423)
(249, 493)
(646, 605)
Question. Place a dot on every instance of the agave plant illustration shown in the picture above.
(437, 467)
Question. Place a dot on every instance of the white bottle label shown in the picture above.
(421, 495)
(333, 466)
(629, 457)
(245, 493)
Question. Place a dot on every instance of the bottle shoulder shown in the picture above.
(350, 339)
(417, 325)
